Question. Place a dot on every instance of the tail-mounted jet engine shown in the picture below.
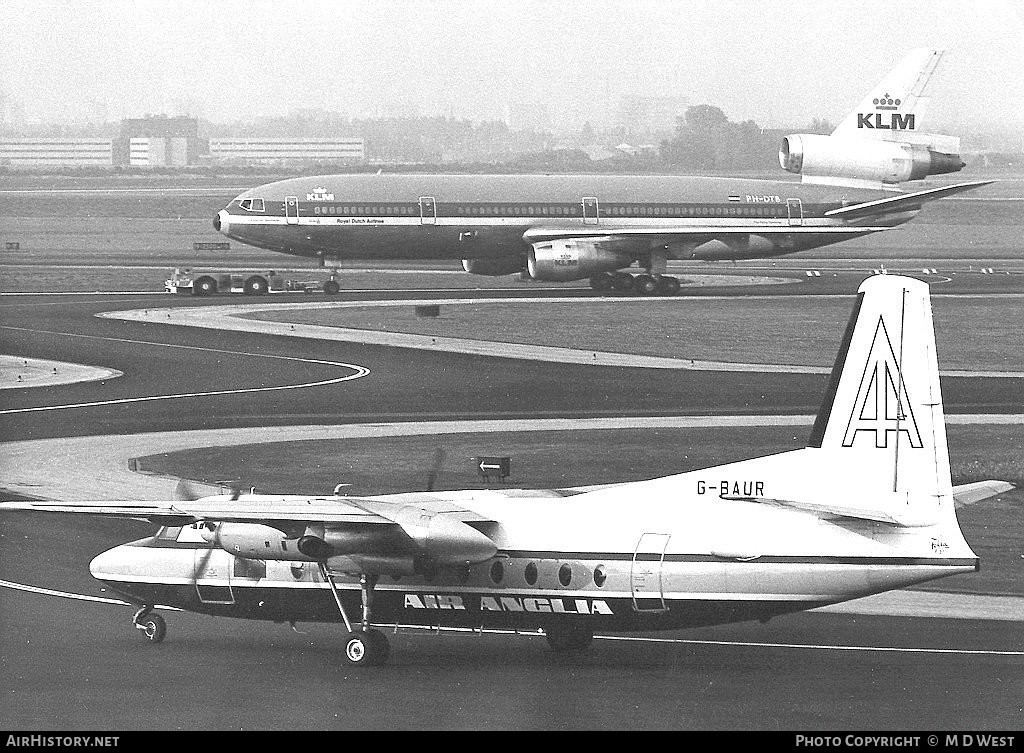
(815, 155)
(561, 261)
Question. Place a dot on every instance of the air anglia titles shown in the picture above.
(510, 604)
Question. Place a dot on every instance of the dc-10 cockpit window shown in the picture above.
(252, 205)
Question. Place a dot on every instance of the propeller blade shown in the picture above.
(435, 469)
(188, 490)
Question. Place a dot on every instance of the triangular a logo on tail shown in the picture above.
(882, 407)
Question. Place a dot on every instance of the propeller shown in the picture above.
(188, 490)
(435, 468)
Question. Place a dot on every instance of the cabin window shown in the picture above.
(565, 575)
(497, 572)
(531, 574)
(316, 210)
(284, 546)
(600, 576)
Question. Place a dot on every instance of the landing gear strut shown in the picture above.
(364, 645)
(150, 623)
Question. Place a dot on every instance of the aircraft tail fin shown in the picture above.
(897, 105)
(881, 423)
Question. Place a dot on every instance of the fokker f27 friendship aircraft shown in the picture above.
(574, 227)
(866, 507)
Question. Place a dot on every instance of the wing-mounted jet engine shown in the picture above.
(880, 143)
(570, 259)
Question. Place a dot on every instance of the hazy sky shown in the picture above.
(779, 62)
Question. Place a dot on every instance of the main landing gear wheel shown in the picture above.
(331, 287)
(569, 639)
(151, 624)
(668, 285)
(645, 285)
(622, 281)
(367, 648)
(601, 281)
(205, 286)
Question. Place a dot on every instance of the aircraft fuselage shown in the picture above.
(486, 217)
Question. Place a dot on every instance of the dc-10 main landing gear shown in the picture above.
(150, 623)
(364, 646)
(644, 284)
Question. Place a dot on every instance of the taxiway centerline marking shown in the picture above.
(811, 646)
(360, 371)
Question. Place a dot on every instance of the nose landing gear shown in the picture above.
(151, 624)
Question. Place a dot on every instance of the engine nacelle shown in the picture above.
(493, 267)
(815, 155)
(561, 261)
(255, 541)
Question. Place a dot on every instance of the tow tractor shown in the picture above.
(190, 282)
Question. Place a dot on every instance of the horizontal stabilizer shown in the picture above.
(968, 494)
(903, 201)
(885, 514)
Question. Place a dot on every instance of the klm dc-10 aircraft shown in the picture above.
(575, 227)
(867, 506)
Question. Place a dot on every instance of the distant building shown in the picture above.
(256, 150)
(159, 141)
(67, 152)
(639, 114)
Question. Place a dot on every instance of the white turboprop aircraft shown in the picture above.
(866, 507)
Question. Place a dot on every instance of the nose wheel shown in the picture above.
(151, 624)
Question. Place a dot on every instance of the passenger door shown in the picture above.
(590, 210)
(428, 210)
(645, 575)
(291, 210)
(796, 212)
(213, 576)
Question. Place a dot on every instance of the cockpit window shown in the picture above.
(257, 205)
(252, 205)
(245, 204)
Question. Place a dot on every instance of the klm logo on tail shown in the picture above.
(894, 122)
(882, 406)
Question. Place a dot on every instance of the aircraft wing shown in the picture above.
(438, 527)
(902, 201)
(968, 494)
(698, 233)
(211, 509)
